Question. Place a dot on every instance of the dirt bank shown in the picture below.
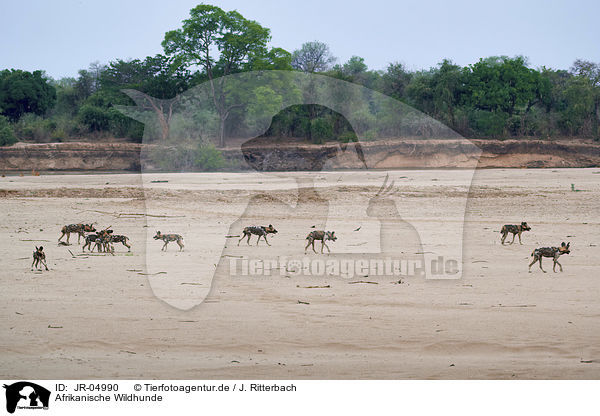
(385, 154)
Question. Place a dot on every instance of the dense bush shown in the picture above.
(7, 136)
(187, 157)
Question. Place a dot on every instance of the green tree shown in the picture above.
(238, 42)
(502, 84)
(25, 92)
(395, 81)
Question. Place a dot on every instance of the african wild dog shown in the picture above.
(89, 239)
(101, 240)
(554, 252)
(120, 239)
(104, 241)
(39, 257)
(168, 238)
(80, 229)
(515, 230)
(260, 231)
(319, 235)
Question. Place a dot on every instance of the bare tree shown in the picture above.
(313, 57)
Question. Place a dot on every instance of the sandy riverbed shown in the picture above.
(153, 314)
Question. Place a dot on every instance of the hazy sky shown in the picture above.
(64, 36)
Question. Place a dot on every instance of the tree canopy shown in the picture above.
(496, 97)
(25, 92)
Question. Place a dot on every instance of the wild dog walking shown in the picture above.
(168, 238)
(260, 231)
(553, 252)
(515, 230)
(80, 229)
(320, 235)
(39, 257)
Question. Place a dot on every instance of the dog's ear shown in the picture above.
(270, 226)
(568, 244)
(563, 244)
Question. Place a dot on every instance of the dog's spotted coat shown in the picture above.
(260, 231)
(515, 230)
(320, 235)
(168, 238)
(553, 252)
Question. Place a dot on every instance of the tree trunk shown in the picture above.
(222, 130)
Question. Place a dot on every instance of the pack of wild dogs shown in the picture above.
(105, 239)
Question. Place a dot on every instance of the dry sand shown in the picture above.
(100, 316)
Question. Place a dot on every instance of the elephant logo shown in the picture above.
(246, 105)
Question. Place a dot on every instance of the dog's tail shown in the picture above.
(532, 253)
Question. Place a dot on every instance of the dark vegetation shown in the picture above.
(497, 97)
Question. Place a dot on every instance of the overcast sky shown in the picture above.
(64, 36)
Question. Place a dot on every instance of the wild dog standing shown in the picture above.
(320, 235)
(554, 252)
(515, 230)
(260, 231)
(168, 238)
(89, 239)
(120, 239)
(39, 257)
(80, 229)
(101, 239)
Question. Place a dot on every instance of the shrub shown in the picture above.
(208, 158)
(489, 123)
(94, 118)
(347, 136)
(7, 136)
(34, 128)
(320, 130)
(187, 157)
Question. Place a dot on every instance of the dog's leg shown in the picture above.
(555, 263)
(248, 241)
(32, 263)
(44, 263)
(164, 247)
(68, 235)
(259, 236)
(520, 238)
(503, 237)
(180, 244)
(513, 240)
(243, 236)
(329, 251)
(313, 246)
(306, 248)
(541, 257)
(265, 237)
(59, 238)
